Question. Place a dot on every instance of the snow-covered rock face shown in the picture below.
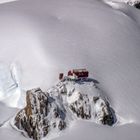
(132, 2)
(87, 102)
(135, 3)
(103, 112)
(81, 107)
(52, 110)
(40, 115)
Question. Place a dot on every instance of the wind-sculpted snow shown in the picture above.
(11, 93)
(46, 112)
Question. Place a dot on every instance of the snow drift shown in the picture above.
(11, 92)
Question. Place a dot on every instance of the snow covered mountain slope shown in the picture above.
(85, 130)
(6, 113)
(47, 37)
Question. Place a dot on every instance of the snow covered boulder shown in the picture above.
(103, 112)
(41, 115)
(86, 101)
(98, 109)
(81, 107)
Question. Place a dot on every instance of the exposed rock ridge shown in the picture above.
(51, 110)
(40, 115)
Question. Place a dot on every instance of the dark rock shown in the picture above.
(81, 107)
(137, 5)
(33, 118)
(105, 114)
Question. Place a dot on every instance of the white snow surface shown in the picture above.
(47, 37)
(5, 1)
(11, 93)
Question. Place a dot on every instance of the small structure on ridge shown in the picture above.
(75, 74)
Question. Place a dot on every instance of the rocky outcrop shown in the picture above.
(135, 3)
(45, 112)
(81, 107)
(40, 115)
(103, 112)
(98, 109)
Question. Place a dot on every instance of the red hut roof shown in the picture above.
(79, 73)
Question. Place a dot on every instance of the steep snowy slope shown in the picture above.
(47, 37)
